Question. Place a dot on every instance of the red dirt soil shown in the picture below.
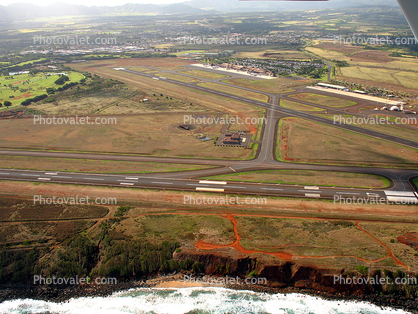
(410, 238)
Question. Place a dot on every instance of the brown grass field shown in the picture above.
(204, 74)
(154, 135)
(297, 106)
(274, 86)
(235, 91)
(296, 143)
(328, 101)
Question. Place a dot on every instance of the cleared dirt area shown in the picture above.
(296, 143)
(299, 177)
(92, 166)
(156, 135)
(328, 101)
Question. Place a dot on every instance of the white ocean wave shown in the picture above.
(195, 301)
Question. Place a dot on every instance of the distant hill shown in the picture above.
(25, 11)
(248, 5)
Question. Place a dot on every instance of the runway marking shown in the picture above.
(232, 169)
(196, 184)
(4, 173)
(51, 173)
(312, 195)
(351, 193)
(126, 183)
(311, 188)
(311, 191)
(63, 177)
(92, 179)
(125, 180)
(271, 189)
(162, 182)
(235, 187)
(130, 178)
(213, 182)
(210, 189)
(29, 175)
(373, 195)
(47, 179)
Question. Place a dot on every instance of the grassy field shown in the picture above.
(235, 91)
(29, 86)
(181, 228)
(416, 182)
(322, 100)
(304, 141)
(393, 129)
(308, 238)
(274, 86)
(300, 177)
(204, 74)
(275, 54)
(155, 135)
(328, 54)
(395, 77)
(104, 68)
(94, 166)
(116, 99)
(297, 106)
(177, 77)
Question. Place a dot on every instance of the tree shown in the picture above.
(62, 79)
(7, 103)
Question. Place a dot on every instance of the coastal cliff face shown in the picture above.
(291, 277)
(278, 274)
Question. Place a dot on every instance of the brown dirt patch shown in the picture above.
(410, 238)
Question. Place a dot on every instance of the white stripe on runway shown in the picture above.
(213, 182)
(162, 182)
(210, 190)
(311, 188)
(126, 183)
(312, 195)
(92, 179)
(351, 193)
(271, 189)
(47, 179)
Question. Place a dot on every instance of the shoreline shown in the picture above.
(65, 293)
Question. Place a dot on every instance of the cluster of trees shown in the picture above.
(17, 266)
(6, 104)
(311, 71)
(28, 101)
(62, 79)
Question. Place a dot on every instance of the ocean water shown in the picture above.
(195, 301)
